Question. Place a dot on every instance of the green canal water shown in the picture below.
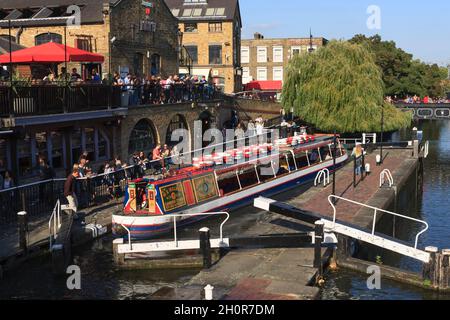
(101, 281)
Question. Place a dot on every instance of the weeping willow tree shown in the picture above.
(340, 87)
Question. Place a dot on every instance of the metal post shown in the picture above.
(23, 230)
(318, 239)
(382, 134)
(66, 100)
(11, 104)
(205, 247)
(334, 166)
(354, 172)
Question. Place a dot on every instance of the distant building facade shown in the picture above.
(211, 33)
(139, 36)
(266, 59)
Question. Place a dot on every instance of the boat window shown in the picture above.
(248, 177)
(265, 172)
(284, 166)
(228, 183)
(302, 160)
(314, 157)
(325, 154)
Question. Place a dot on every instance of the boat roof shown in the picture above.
(189, 172)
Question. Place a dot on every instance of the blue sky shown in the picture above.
(421, 27)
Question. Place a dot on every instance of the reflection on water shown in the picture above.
(430, 205)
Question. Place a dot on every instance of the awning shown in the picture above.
(51, 52)
(264, 86)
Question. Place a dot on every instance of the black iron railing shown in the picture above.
(30, 100)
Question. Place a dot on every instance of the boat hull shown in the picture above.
(148, 227)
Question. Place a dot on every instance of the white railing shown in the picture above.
(175, 231)
(386, 173)
(54, 224)
(331, 200)
(323, 174)
(426, 150)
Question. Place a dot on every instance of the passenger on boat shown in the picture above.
(156, 155)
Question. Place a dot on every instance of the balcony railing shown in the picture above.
(32, 100)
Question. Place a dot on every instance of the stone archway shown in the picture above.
(177, 122)
(143, 137)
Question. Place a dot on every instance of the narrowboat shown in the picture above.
(223, 182)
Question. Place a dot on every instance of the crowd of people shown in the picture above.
(418, 100)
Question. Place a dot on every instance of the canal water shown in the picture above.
(100, 280)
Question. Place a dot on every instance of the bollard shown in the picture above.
(368, 169)
(23, 230)
(445, 269)
(205, 247)
(209, 292)
(429, 272)
(378, 159)
(318, 239)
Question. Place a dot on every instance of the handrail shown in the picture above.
(332, 198)
(174, 216)
(55, 220)
(386, 173)
(325, 174)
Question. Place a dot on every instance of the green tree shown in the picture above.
(402, 75)
(340, 87)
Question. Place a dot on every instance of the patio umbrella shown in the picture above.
(51, 52)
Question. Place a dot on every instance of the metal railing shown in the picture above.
(28, 100)
(332, 200)
(322, 174)
(175, 231)
(386, 173)
(54, 223)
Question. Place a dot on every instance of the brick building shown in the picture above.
(212, 35)
(145, 42)
(266, 59)
(140, 36)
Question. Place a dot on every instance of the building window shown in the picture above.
(215, 27)
(246, 75)
(193, 52)
(57, 159)
(76, 145)
(215, 54)
(295, 51)
(277, 54)
(190, 27)
(278, 74)
(245, 55)
(142, 138)
(24, 156)
(84, 44)
(262, 74)
(47, 37)
(7, 37)
(90, 143)
(262, 54)
(41, 144)
(102, 146)
(3, 156)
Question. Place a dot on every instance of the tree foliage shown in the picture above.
(402, 75)
(340, 87)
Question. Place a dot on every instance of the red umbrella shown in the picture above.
(51, 52)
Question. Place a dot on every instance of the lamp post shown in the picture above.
(311, 49)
